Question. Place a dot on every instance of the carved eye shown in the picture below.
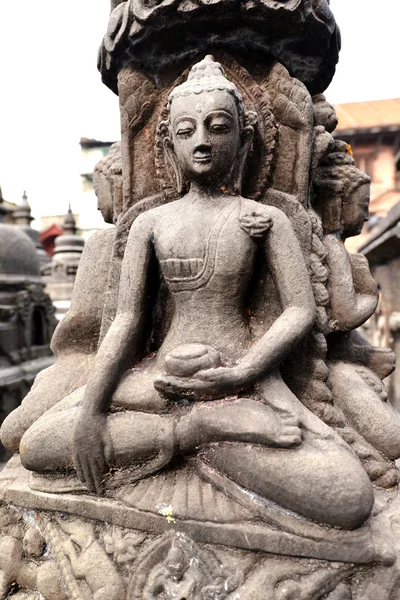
(184, 129)
(219, 127)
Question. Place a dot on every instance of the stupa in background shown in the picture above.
(22, 217)
(59, 274)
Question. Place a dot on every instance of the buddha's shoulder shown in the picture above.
(152, 215)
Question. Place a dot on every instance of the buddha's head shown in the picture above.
(355, 204)
(107, 184)
(208, 133)
(175, 562)
(342, 192)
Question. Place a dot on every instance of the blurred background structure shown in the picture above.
(27, 318)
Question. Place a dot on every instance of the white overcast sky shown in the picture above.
(52, 94)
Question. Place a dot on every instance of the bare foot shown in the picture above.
(241, 420)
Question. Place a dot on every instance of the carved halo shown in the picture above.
(257, 113)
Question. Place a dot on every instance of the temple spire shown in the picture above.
(69, 224)
(22, 214)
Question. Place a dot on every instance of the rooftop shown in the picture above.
(376, 115)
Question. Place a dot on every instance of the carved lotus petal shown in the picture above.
(115, 21)
(322, 11)
(249, 5)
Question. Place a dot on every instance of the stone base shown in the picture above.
(74, 545)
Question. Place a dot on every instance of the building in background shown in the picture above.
(48, 237)
(87, 217)
(373, 131)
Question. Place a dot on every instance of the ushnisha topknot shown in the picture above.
(208, 76)
(337, 172)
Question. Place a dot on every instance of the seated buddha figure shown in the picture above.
(356, 367)
(212, 389)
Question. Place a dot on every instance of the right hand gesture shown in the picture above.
(89, 450)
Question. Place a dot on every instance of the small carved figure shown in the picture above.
(90, 562)
(174, 579)
(21, 560)
(277, 448)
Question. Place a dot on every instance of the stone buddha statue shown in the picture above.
(212, 388)
(356, 368)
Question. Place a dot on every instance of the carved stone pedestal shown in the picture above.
(70, 545)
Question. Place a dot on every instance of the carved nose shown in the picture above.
(202, 149)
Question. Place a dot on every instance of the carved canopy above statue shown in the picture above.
(301, 34)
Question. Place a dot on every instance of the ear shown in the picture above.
(247, 139)
(171, 157)
(164, 136)
(247, 136)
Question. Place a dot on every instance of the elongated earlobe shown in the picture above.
(246, 141)
(171, 157)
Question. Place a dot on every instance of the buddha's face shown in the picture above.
(205, 134)
(355, 211)
(103, 191)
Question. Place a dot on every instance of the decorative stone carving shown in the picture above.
(205, 430)
(260, 28)
(342, 192)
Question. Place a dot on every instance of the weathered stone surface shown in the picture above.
(206, 430)
(302, 34)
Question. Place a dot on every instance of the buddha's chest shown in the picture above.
(202, 246)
